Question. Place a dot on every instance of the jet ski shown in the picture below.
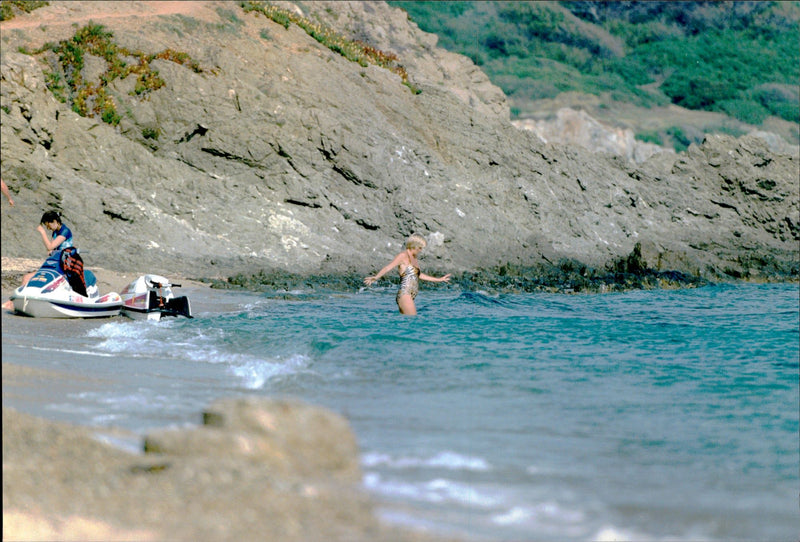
(61, 288)
(150, 297)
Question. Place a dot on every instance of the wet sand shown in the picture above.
(64, 482)
(13, 269)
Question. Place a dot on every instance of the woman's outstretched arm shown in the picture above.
(394, 263)
(446, 278)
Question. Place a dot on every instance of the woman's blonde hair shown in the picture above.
(416, 241)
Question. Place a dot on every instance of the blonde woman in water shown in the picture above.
(407, 265)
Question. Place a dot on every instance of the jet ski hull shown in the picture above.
(48, 294)
(44, 307)
(150, 297)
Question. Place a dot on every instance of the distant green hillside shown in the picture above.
(738, 58)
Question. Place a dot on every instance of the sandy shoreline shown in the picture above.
(63, 482)
(107, 281)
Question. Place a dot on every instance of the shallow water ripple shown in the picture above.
(649, 415)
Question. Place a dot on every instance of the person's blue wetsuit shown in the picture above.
(67, 242)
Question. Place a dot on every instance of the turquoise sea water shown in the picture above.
(649, 415)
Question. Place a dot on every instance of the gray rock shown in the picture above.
(282, 155)
(576, 127)
(61, 483)
(281, 435)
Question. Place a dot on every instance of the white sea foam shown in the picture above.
(70, 408)
(130, 443)
(202, 345)
(516, 515)
(141, 399)
(464, 494)
(534, 470)
(394, 488)
(438, 490)
(68, 351)
(610, 533)
(145, 338)
(255, 373)
(105, 419)
(138, 400)
(213, 355)
(549, 512)
(408, 520)
(444, 460)
(111, 330)
(130, 338)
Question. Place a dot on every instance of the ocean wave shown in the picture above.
(69, 351)
(115, 329)
(438, 490)
(198, 345)
(446, 460)
(481, 297)
(255, 373)
(537, 514)
(611, 533)
(136, 339)
(140, 400)
(127, 443)
(516, 515)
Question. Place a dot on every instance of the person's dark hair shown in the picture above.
(49, 216)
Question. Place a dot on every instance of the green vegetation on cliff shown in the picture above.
(10, 8)
(66, 81)
(737, 58)
(352, 50)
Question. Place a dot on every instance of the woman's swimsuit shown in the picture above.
(409, 282)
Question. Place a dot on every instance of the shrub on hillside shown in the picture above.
(714, 56)
(90, 98)
(747, 111)
(8, 7)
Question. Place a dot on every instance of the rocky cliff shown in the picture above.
(576, 127)
(278, 153)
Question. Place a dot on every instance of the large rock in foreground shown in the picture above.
(284, 437)
(258, 470)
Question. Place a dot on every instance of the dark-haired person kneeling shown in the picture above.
(55, 236)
